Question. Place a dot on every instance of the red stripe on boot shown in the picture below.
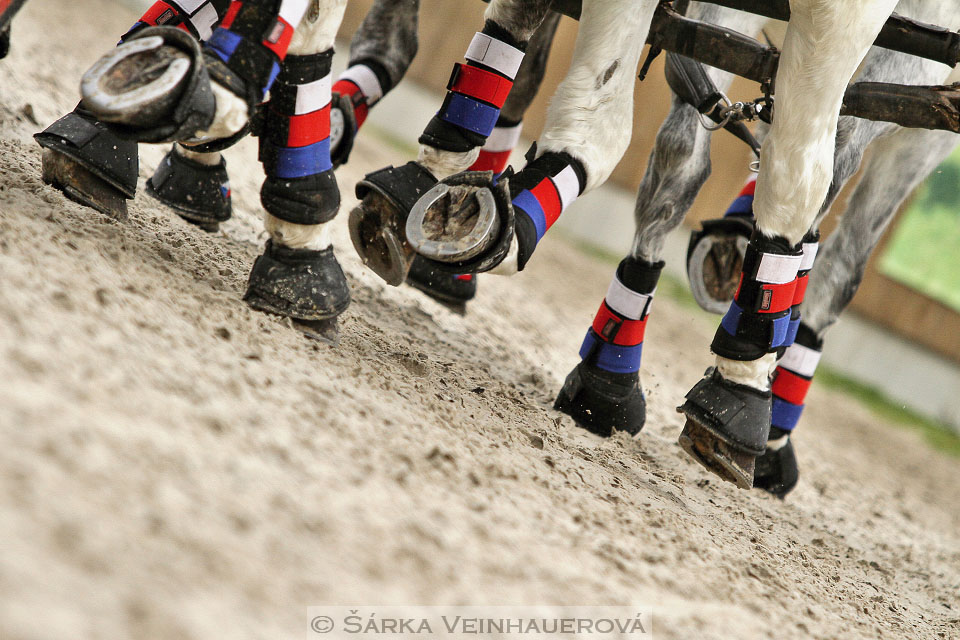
(232, 12)
(308, 128)
(480, 84)
(279, 37)
(620, 331)
(549, 198)
(360, 108)
(790, 387)
(156, 12)
(774, 298)
(801, 291)
(492, 161)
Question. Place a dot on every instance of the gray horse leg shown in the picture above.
(898, 165)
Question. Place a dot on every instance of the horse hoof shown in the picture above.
(715, 259)
(377, 240)
(776, 470)
(727, 426)
(198, 193)
(603, 402)
(454, 223)
(717, 456)
(136, 84)
(83, 186)
(307, 286)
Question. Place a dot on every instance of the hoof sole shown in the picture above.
(82, 186)
(377, 242)
(453, 223)
(717, 456)
(713, 269)
(136, 83)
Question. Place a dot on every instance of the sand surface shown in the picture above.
(175, 465)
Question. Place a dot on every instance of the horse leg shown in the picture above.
(381, 51)
(729, 410)
(298, 275)
(473, 224)
(456, 290)
(452, 140)
(603, 392)
(90, 163)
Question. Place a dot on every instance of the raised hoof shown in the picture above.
(715, 259)
(301, 284)
(450, 290)
(455, 222)
(325, 331)
(137, 83)
(378, 240)
(717, 456)
(602, 402)
(82, 186)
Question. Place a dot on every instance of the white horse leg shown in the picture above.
(452, 141)
(589, 122)
(824, 44)
(297, 112)
(603, 392)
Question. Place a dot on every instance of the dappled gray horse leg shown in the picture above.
(897, 166)
(680, 161)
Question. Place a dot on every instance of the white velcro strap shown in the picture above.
(629, 304)
(364, 77)
(800, 359)
(188, 6)
(503, 139)
(292, 11)
(809, 255)
(495, 54)
(778, 269)
(313, 96)
(568, 186)
(204, 20)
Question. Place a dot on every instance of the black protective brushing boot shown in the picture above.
(305, 285)
(603, 402)
(727, 427)
(776, 470)
(446, 288)
(199, 193)
(90, 163)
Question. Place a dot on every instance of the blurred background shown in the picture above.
(901, 335)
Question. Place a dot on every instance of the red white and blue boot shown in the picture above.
(603, 392)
